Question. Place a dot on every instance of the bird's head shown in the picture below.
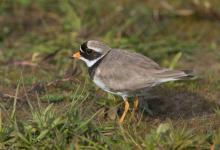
(91, 51)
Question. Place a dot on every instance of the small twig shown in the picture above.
(8, 96)
(59, 80)
(36, 87)
(25, 63)
(212, 147)
(51, 55)
(40, 87)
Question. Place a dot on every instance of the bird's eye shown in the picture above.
(88, 51)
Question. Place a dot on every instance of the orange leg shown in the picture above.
(125, 111)
(135, 104)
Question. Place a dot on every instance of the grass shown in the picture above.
(49, 102)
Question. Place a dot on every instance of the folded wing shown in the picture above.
(128, 71)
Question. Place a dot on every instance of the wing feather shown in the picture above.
(125, 71)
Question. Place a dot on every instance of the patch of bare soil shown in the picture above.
(182, 107)
(177, 103)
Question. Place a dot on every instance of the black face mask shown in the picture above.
(89, 54)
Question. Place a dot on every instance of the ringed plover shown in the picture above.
(124, 73)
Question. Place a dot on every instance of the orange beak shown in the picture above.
(76, 55)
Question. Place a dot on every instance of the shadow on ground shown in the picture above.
(176, 103)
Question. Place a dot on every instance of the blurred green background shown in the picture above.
(49, 102)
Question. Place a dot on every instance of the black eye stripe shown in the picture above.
(90, 56)
(87, 53)
(84, 46)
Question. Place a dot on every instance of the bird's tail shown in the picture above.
(189, 74)
(172, 75)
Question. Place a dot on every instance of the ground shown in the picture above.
(49, 102)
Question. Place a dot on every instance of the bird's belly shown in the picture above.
(100, 84)
(104, 87)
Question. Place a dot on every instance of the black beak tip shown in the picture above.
(71, 57)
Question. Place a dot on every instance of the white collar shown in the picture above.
(90, 63)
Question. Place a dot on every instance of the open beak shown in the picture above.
(76, 55)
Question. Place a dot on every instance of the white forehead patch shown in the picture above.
(93, 47)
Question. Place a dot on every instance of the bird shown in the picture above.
(124, 73)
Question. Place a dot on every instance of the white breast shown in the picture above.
(100, 84)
